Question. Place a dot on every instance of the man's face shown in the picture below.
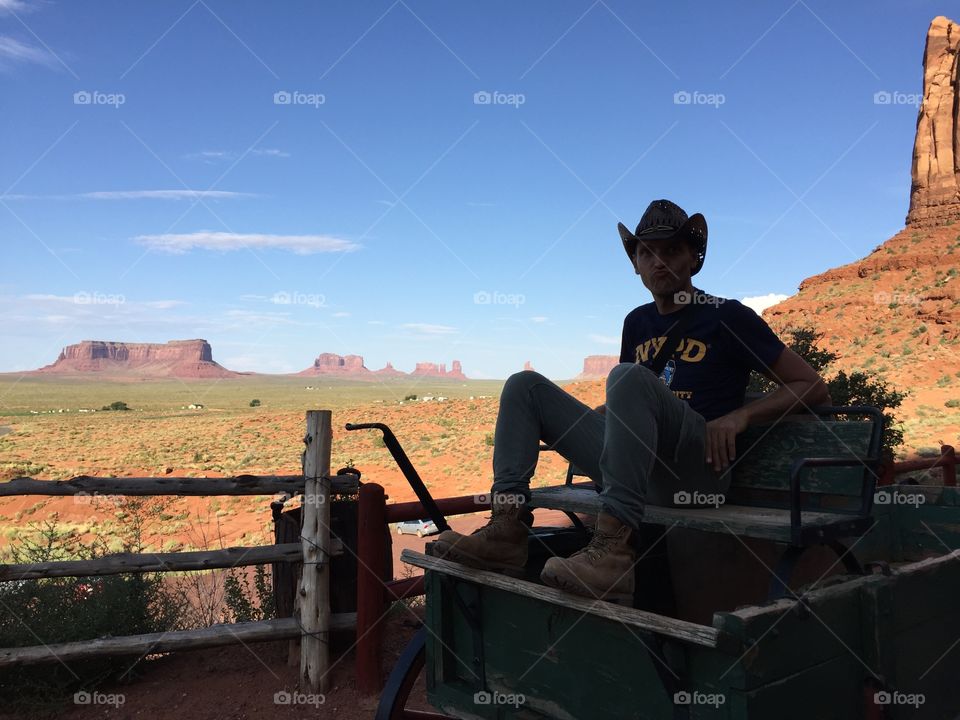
(664, 266)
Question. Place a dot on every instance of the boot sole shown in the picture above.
(445, 551)
(561, 583)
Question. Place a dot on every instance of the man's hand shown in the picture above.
(721, 443)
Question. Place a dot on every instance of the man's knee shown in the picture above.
(629, 375)
(522, 381)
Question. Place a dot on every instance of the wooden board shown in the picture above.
(746, 521)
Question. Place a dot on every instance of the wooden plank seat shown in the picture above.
(805, 480)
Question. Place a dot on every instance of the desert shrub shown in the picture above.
(255, 403)
(246, 603)
(117, 405)
(857, 388)
(56, 610)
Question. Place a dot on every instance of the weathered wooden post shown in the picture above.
(313, 597)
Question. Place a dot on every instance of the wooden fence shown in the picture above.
(312, 620)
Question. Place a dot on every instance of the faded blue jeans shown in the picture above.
(646, 448)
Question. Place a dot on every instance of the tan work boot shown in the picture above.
(602, 570)
(500, 545)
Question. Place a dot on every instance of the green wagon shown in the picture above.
(809, 592)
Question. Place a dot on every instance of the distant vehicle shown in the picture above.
(417, 527)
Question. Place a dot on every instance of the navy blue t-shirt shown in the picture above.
(711, 366)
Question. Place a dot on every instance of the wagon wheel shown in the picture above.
(393, 699)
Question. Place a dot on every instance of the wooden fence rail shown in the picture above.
(312, 620)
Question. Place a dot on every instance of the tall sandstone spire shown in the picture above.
(935, 191)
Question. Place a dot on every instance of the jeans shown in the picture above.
(648, 446)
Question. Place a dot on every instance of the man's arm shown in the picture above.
(800, 386)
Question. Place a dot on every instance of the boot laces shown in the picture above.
(599, 544)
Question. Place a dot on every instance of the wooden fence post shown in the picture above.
(314, 593)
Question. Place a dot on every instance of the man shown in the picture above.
(658, 433)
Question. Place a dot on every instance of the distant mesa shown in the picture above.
(935, 172)
(597, 366)
(351, 366)
(177, 358)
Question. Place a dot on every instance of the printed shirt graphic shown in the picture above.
(711, 365)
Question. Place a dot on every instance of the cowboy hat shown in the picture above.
(664, 220)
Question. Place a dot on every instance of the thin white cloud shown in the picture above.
(212, 156)
(164, 304)
(539, 318)
(225, 242)
(604, 339)
(429, 329)
(9, 6)
(376, 322)
(14, 52)
(759, 303)
(341, 314)
(162, 194)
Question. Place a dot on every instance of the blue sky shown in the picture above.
(428, 181)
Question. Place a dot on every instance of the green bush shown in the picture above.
(857, 388)
(254, 403)
(118, 405)
(952, 403)
(57, 610)
(246, 603)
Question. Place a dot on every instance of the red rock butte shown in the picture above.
(597, 366)
(351, 366)
(177, 358)
(935, 188)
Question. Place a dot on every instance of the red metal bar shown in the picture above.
(398, 512)
(371, 597)
(408, 587)
(947, 461)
